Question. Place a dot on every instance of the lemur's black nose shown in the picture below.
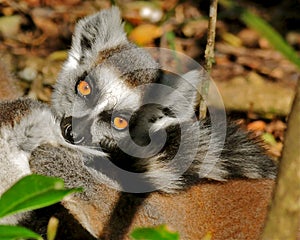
(66, 129)
(76, 130)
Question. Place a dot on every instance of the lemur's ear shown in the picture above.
(101, 31)
(178, 96)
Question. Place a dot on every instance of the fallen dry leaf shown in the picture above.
(275, 150)
(249, 37)
(257, 126)
(10, 25)
(195, 28)
(53, 3)
(145, 34)
(47, 25)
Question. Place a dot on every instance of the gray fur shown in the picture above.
(93, 34)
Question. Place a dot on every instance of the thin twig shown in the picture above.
(209, 54)
(210, 46)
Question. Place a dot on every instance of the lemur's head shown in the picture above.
(110, 91)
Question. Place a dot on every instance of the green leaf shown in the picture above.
(269, 138)
(128, 27)
(170, 36)
(33, 192)
(16, 233)
(157, 233)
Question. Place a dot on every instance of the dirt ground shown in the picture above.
(256, 82)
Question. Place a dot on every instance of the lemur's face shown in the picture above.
(110, 92)
(102, 109)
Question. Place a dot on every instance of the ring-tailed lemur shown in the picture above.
(111, 99)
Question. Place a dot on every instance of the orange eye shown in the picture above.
(84, 88)
(120, 123)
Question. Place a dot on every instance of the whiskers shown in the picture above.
(90, 150)
(108, 145)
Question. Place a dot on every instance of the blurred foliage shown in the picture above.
(155, 233)
(265, 29)
(30, 193)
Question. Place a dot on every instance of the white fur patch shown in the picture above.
(21, 162)
(164, 178)
(71, 63)
(163, 123)
(253, 174)
(17, 143)
(13, 161)
(37, 128)
(117, 94)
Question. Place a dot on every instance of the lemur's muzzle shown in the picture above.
(76, 130)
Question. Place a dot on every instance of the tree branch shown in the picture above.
(284, 216)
